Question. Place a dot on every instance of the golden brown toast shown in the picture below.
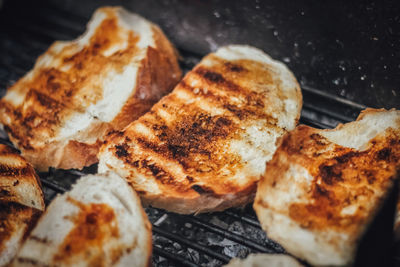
(16, 220)
(19, 182)
(204, 146)
(21, 201)
(324, 187)
(58, 113)
(100, 222)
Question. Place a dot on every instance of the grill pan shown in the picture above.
(178, 240)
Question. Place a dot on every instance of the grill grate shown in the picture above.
(203, 240)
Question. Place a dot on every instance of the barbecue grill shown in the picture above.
(28, 28)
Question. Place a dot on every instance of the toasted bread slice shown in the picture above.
(99, 223)
(204, 146)
(21, 201)
(19, 182)
(15, 222)
(323, 188)
(265, 260)
(58, 113)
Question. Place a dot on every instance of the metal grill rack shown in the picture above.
(203, 240)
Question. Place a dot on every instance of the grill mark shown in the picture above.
(203, 190)
(158, 172)
(229, 66)
(162, 175)
(6, 150)
(15, 171)
(218, 79)
(44, 100)
(149, 145)
(252, 105)
(22, 142)
(121, 150)
(241, 113)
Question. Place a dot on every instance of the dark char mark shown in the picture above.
(330, 174)
(122, 150)
(202, 190)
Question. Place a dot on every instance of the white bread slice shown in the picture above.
(204, 146)
(100, 222)
(265, 260)
(16, 221)
(323, 188)
(21, 201)
(19, 182)
(79, 90)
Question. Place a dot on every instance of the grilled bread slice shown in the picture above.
(77, 91)
(262, 260)
(16, 221)
(204, 146)
(21, 201)
(99, 223)
(18, 180)
(323, 188)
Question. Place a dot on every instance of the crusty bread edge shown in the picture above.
(205, 202)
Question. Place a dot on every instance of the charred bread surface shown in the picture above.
(204, 146)
(21, 201)
(324, 187)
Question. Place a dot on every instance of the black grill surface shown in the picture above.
(202, 240)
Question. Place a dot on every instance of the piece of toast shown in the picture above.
(16, 221)
(19, 182)
(21, 201)
(58, 113)
(204, 146)
(100, 222)
(265, 260)
(323, 188)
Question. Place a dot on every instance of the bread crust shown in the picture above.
(34, 124)
(324, 187)
(19, 182)
(189, 153)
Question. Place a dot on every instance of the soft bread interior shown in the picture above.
(110, 209)
(19, 182)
